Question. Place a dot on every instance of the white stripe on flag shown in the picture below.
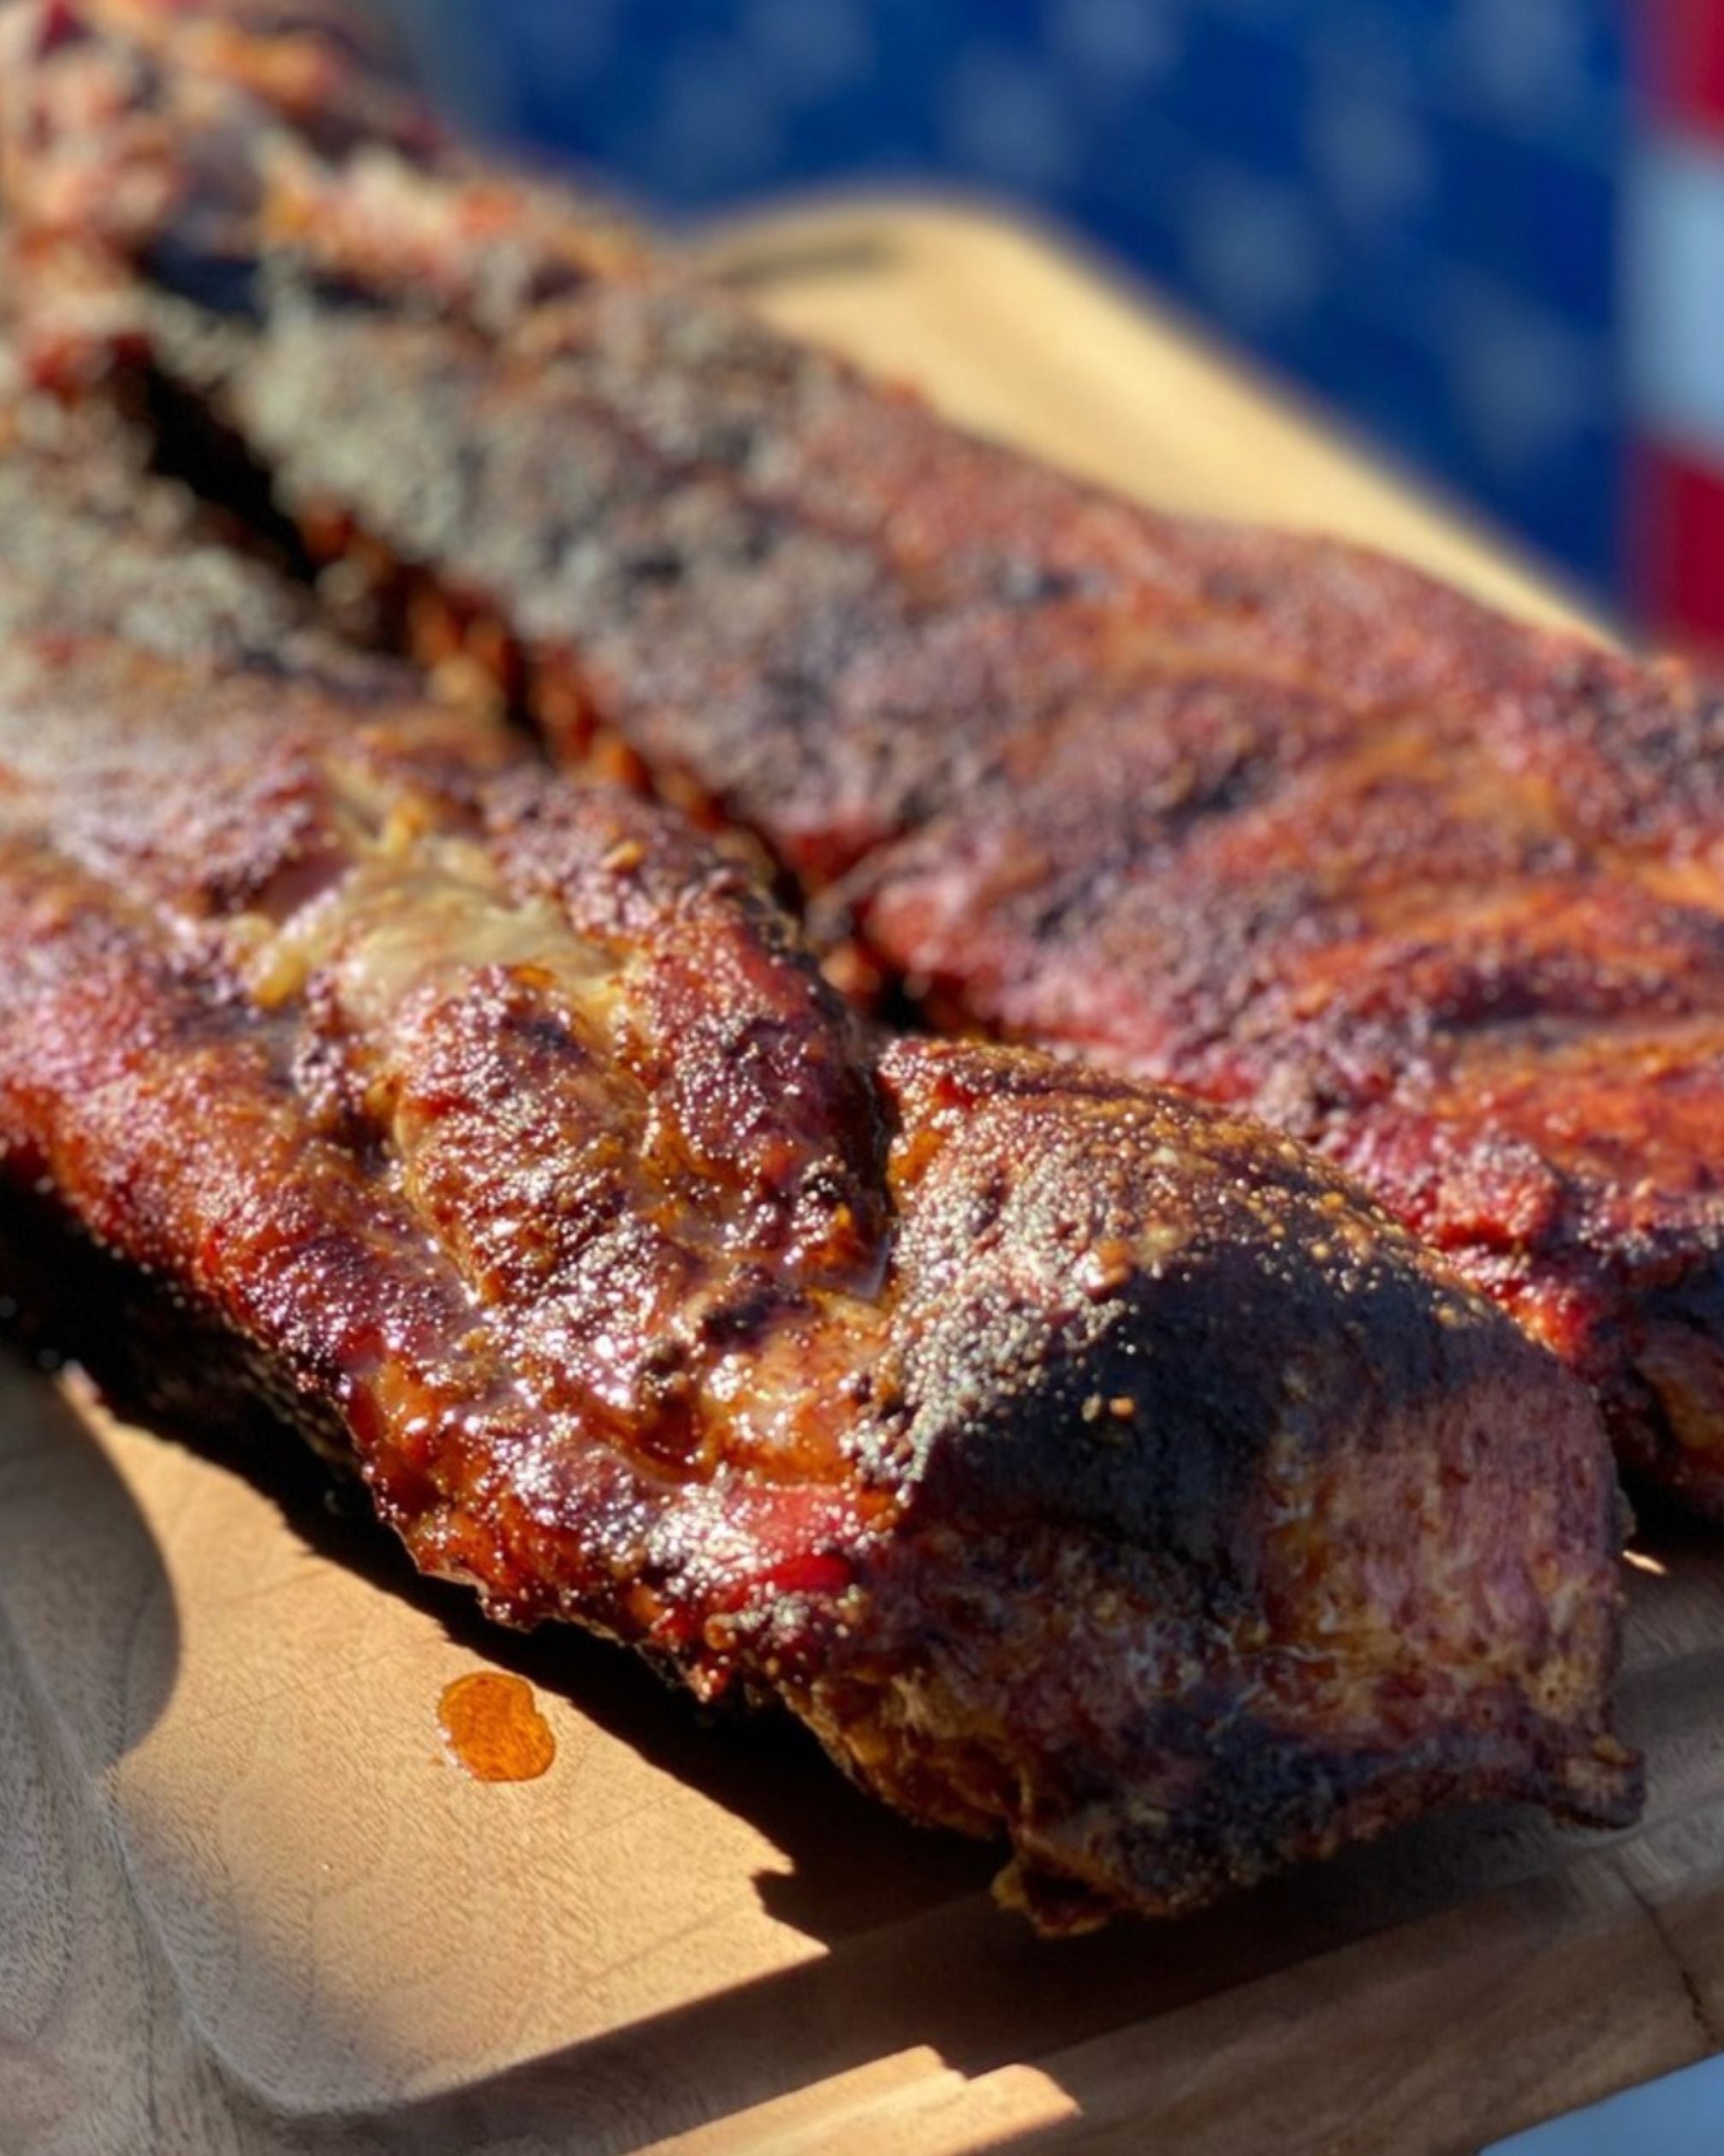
(1673, 285)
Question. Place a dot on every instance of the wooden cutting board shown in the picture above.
(247, 1903)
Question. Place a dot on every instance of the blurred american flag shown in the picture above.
(1673, 313)
(1489, 231)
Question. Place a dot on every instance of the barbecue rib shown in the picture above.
(1077, 1461)
(1272, 818)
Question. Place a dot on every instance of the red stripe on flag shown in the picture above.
(1679, 544)
(1681, 60)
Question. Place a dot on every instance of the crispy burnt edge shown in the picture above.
(1281, 1518)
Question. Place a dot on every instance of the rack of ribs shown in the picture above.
(1081, 1463)
(1273, 819)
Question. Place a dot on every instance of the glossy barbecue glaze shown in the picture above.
(1277, 819)
(1079, 1461)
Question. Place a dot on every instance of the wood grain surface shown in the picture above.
(248, 1903)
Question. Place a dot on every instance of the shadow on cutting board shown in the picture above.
(96, 1620)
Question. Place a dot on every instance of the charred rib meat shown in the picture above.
(1081, 1463)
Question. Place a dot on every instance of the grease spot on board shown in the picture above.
(492, 1728)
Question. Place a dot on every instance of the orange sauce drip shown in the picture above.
(491, 1726)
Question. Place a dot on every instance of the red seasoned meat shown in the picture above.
(1082, 1464)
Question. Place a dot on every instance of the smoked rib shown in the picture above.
(1269, 817)
(1083, 1464)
